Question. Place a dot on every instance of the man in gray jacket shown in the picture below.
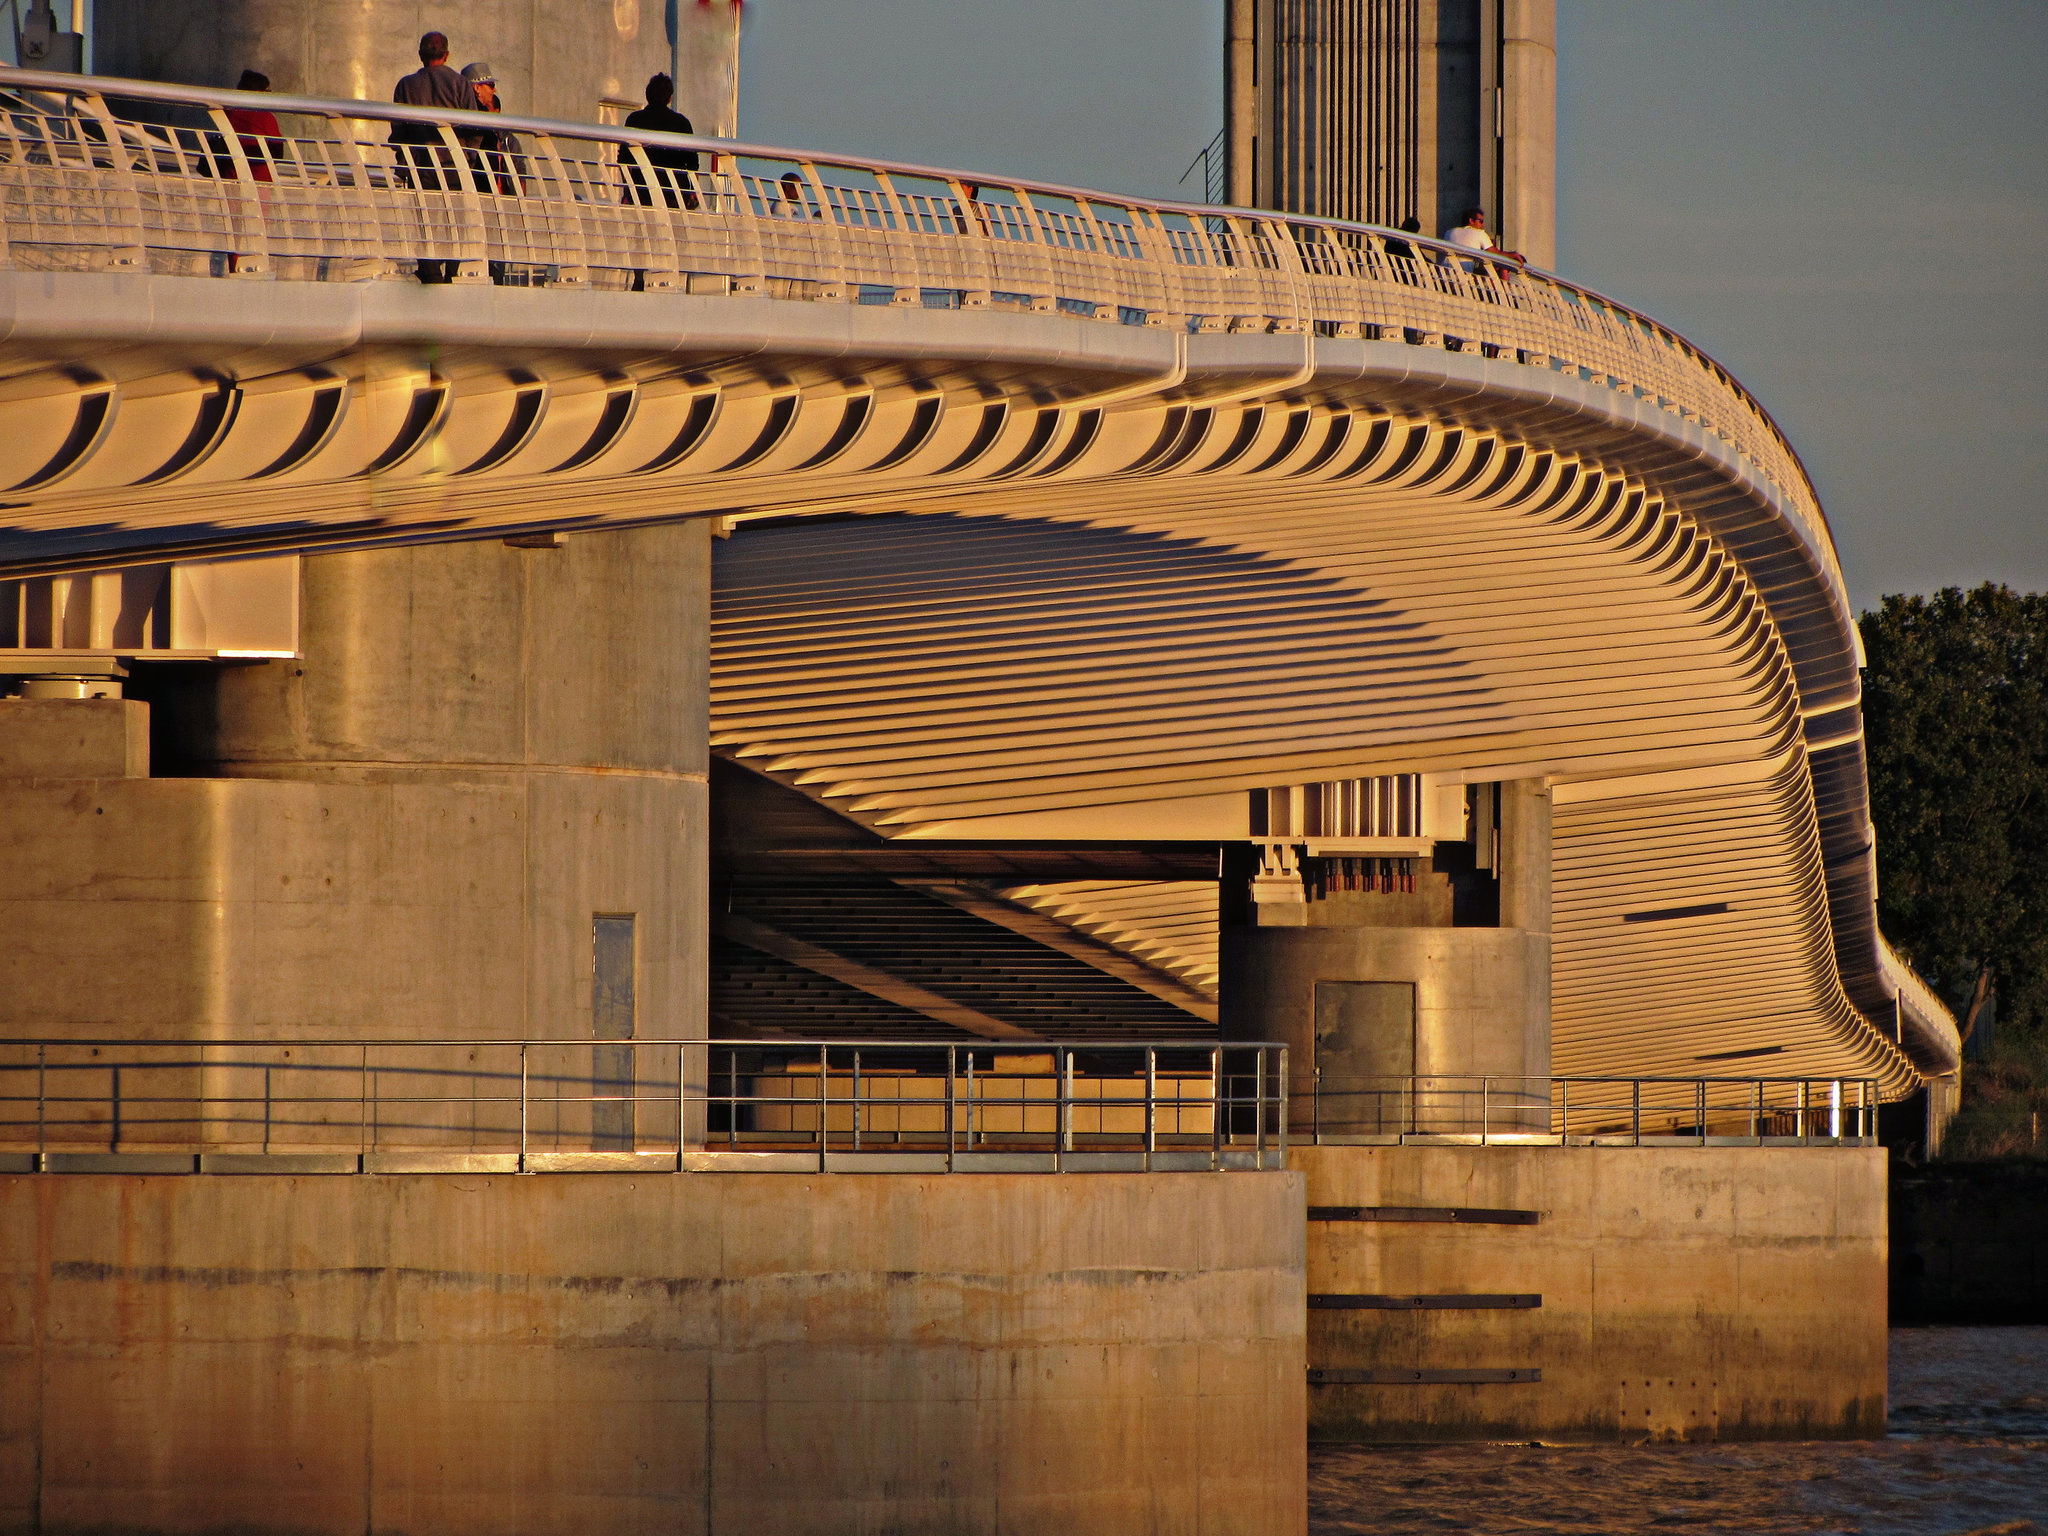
(419, 146)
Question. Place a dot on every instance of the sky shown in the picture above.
(1845, 201)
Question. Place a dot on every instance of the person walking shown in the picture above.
(678, 186)
(418, 146)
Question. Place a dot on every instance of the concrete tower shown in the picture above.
(568, 59)
(1376, 109)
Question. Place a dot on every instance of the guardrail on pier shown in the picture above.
(552, 1105)
(119, 175)
(1333, 1109)
(529, 1106)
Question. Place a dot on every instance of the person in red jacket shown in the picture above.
(262, 140)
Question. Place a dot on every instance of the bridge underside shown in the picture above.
(1009, 656)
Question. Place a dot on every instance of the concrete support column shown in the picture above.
(474, 808)
(1527, 215)
(707, 66)
(1378, 109)
(1402, 1016)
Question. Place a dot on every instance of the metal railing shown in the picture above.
(565, 1105)
(107, 174)
(1333, 1109)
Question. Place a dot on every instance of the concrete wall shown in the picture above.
(407, 832)
(1687, 1293)
(553, 58)
(714, 1353)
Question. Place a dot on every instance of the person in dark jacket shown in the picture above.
(418, 146)
(678, 185)
(493, 151)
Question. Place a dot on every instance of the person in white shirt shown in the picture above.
(1472, 236)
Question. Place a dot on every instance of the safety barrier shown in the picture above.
(551, 1105)
(1329, 1108)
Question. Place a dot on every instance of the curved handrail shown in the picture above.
(582, 199)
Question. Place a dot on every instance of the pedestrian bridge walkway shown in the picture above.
(1209, 504)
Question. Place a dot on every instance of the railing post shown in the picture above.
(123, 210)
(1059, 1106)
(1151, 1103)
(375, 218)
(824, 1103)
(831, 245)
(952, 1068)
(251, 231)
(732, 1098)
(1283, 1105)
(472, 242)
(1835, 1110)
(1699, 1096)
(1215, 1107)
(650, 196)
(114, 1144)
(1564, 1111)
(1636, 1111)
(1805, 1126)
(522, 1106)
(42, 1088)
(683, 1100)
(266, 1107)
(1258, 1106)
(1485, 1106)
(856, 1098)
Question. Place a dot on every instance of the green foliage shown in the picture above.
(1955, 702)
(2005, 1104)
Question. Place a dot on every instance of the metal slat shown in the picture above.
(1346, 1301)
(1325, 1376)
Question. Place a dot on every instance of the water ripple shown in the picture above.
(1967, 1456)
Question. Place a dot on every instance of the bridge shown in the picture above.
(804, 597)
(1208, 504)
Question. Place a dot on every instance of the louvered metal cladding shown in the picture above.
(1628, 643)
(1342, 121)
(1385, 805)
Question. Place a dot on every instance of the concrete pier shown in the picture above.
(1714, 1293)
(1400, 1015)
(702, 1353)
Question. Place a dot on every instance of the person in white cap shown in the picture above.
(495, 147)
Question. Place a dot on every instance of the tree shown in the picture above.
(1955, 702)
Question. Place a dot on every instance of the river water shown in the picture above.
(1967, 1452)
